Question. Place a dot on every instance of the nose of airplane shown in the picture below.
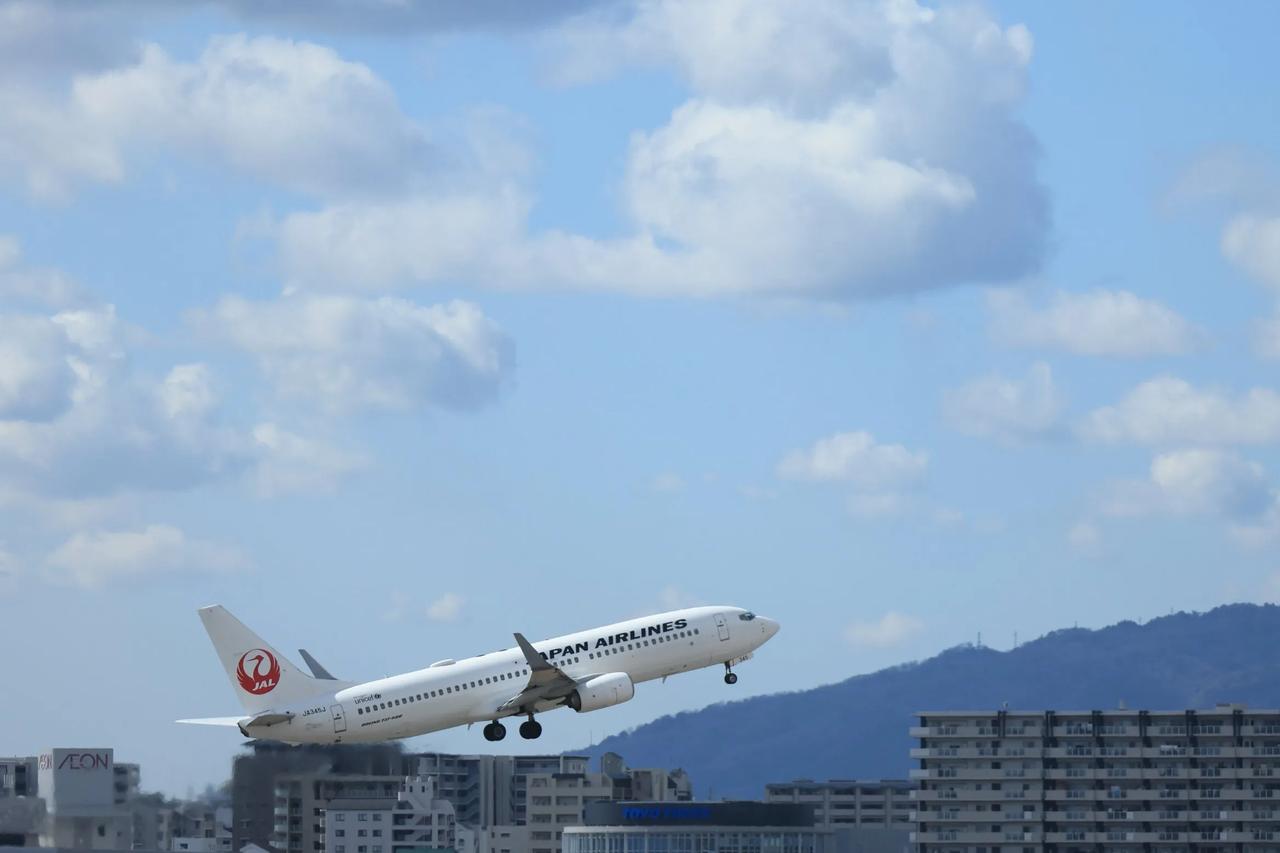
(769, 626)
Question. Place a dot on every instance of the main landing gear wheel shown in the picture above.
(730, 677)
(531, 729)
(495, 731)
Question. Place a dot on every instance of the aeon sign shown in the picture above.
(258, 671)
(71, 760)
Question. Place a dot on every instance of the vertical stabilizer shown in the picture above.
(262, 678)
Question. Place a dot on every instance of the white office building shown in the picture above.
(84, 794)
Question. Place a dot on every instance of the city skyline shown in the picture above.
(399, 328)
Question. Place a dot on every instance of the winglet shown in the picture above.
(537, 662)
(314, 665)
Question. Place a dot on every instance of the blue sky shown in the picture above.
(397, 331)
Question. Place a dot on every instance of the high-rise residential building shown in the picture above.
(1117, 781)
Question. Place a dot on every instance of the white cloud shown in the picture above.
(831, 150)
(873, 505)
(80, 425)
(1101, 322)
(446, 608)
(36, 374)
(347, 354)
(891, 629)
(119, 432)
(1168, 410)
(1007, 409)
(26, 286)
(856, 458)
(1198, 482)
(187, 392)
(289, 463)
(92, 560)
(1252, 242)
(667, 482)
(292, 113)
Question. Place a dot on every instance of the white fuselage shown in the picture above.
(454, 693)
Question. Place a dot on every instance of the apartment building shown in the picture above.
(302, 802)
(492, 790)
(254, 775)
(556, 800)
(883, 804)
(421, 821)
(417, 821)
(1119, 781)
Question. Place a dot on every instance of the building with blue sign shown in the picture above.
(693, 827)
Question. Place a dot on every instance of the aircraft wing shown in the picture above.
(547, 682)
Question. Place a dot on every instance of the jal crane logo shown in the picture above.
(258, 671)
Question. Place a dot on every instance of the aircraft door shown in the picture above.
(722, 627)
(339, 720)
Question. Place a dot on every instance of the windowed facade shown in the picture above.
(1119, 781)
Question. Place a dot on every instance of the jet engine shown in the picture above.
(601, 691)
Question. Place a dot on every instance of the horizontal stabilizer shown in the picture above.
(234, 722)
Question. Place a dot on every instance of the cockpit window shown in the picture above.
(746, 617)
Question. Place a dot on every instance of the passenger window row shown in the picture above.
(434, 694)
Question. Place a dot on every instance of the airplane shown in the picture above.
(585, 671)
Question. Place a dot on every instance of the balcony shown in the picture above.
(1069, 752)
(959, 836)
(965, 795)
(946, 731)
(959, 814)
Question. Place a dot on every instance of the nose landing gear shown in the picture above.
(730, 677)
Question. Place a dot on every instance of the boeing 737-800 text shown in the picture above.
(585, 671)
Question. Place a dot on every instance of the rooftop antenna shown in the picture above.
(979, 639)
